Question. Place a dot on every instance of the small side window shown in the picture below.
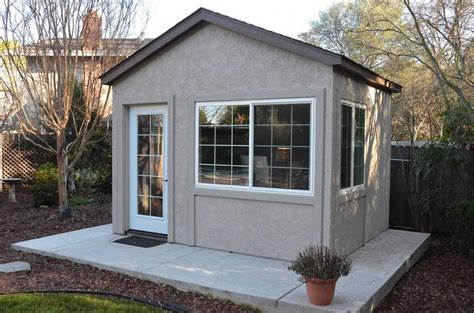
(352, 170)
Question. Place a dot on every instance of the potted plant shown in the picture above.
(320, 268)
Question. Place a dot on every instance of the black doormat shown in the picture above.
(138, 241)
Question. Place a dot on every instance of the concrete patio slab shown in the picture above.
(120, 257)
(68, 238)
(265, 283)
(242, 278)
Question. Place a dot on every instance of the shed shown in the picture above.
(232, 137)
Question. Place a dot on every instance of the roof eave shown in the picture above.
(347, 65)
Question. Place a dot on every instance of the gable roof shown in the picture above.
(301, 48)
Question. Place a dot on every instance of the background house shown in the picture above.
(90, 50)
(94, 54)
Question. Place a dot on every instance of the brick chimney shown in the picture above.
(92, 30)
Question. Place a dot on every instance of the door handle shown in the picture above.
(165, 180)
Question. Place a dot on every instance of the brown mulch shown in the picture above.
(21, 221)
(442, 281)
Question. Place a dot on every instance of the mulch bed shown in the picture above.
(19, 222)
(442, 281)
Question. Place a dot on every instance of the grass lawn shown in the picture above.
(60, 302)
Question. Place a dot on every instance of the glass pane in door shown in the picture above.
(150, 165)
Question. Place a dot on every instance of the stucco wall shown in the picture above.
(349, 224)
(359, 216)
(216, 64)
(274, 227)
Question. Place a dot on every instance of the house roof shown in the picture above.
(203, 16)
(117, 46)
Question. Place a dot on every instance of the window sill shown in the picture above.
(306, 198)
(352, 193)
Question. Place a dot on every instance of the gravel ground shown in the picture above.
(442, 281)
(22, 222)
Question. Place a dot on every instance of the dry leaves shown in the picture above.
(442, 281)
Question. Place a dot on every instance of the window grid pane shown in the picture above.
(359, 145)
(150, 165)
(281, 145)
(346, 146)
(352, 168)
(224, 144)
(277, 161)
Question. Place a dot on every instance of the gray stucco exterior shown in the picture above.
(359, 216)
(212, 63)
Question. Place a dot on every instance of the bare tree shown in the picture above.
(64, 46)
(416, 111)
(444, 30)
(427, 46)
(437, 34)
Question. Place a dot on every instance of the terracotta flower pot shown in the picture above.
(320, 291)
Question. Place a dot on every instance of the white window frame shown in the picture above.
(353, 105)
(251, 104)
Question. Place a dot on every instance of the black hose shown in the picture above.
(160, 304)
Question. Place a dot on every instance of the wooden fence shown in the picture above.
(460, 186)
(19, 158)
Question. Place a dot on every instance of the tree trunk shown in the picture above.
(61, 158)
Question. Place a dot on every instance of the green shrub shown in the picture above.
(316, 262)
(461, 216)
(105, 179)
(45, 188)
(98, 157)
(86, 179)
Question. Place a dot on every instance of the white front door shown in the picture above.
(148, 169)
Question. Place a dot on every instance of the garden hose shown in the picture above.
(159, 304)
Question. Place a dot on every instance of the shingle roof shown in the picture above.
(203, 15)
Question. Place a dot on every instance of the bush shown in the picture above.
(45, 188)
(320, 263)
(86, 179)
(461, 216)
(99, 154)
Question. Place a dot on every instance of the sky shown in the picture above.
(287, 17)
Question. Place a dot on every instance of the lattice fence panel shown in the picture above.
(20, 158)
